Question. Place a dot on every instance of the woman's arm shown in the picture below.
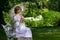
(22, 19)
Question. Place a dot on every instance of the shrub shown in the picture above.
(33, 23)
(51, 18)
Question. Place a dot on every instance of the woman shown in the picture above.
(22, 32)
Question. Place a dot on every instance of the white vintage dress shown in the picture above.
(20, 29)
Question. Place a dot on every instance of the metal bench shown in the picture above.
(9, 32)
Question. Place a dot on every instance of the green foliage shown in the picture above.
(5, 15)
(33, 9)
(53, 4)
(51, 17)
(32, 23)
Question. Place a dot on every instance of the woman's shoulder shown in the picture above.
(14, 16)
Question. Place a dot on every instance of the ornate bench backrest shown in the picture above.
(8, 29)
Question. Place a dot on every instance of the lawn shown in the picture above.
(46, 33)
(43, 34)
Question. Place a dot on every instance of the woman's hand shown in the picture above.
(22, 20)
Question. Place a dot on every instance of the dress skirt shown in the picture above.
(22, 32)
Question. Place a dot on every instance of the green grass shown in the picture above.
(2, 35)
(46, 33)
(42, 34)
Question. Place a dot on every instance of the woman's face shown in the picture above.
(18, 11)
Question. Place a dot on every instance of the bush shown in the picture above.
(32, 23)
(51, 18)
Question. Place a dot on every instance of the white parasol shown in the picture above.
(11, 11)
